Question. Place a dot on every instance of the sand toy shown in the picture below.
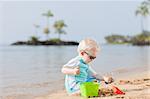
(89, 89)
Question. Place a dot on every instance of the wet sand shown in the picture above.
(135, 86)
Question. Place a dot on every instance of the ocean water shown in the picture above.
(36, 70)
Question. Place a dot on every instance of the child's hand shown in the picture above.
(76, 71)
(108, 79)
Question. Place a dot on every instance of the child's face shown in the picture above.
(88, 56)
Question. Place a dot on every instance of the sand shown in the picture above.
(135, 86)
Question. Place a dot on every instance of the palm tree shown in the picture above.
(143, 10)
(34, 39)
(146, 2)
(36, 29)
(47, 15)
(47, 31)
(59, 25)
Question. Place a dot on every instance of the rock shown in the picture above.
(122, 82)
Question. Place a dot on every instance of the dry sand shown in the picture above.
(135, 86)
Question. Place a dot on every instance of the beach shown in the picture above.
(36, 72)
(46, 36)
(135, 86)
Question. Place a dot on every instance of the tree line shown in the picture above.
(142, 38)
(58, 26)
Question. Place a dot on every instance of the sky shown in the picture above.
(94, 19)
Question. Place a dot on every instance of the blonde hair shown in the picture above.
(88, 45)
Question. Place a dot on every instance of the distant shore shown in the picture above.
(46, 43)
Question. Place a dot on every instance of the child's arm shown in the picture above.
(99, 77)
(107, 79)
(71, 71)
(72, 67)
(95, 74)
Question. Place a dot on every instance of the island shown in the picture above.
(46, 43)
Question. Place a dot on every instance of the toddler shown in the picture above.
(77, 70)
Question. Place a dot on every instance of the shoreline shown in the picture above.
(136, 85)
(56, 42)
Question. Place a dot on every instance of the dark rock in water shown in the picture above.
(45, 43)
